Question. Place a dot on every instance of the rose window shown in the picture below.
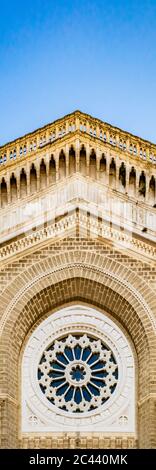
(78, 373)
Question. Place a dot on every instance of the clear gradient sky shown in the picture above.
(98, 56)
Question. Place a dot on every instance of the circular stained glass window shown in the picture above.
(78, 373)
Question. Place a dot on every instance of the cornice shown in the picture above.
(82, 138)
(65, 227)
(81, 115)
(70, 139)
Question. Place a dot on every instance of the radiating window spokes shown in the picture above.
(78, 373)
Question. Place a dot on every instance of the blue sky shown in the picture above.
(98, 56)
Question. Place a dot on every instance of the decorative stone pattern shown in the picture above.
(67, 226)
(86, 124)
(96, 389)
(78, 373)
(77, 228)
(30, 180)
(79, 441)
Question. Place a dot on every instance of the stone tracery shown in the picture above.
(39, 275)
(78, 373)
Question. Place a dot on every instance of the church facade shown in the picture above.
(77, 290)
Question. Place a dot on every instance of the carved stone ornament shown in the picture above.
(78, 374)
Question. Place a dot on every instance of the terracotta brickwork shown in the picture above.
(82, 252)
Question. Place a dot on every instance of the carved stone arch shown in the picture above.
(152, 189)
(62, 164)
(43, 174)
(122, 176)
(4, 192)
(92, 164)
(132, 181)
(23, 182)
(103, 166)
(142, 186)
(82, 162)
(58, 281)
(52, 169)
(136, 287)
(33, 179)
(13, 187)
(72, 160)
(112, 173)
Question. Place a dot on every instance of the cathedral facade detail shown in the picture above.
(77, 290)
(78, 375)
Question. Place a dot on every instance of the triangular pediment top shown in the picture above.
(78, 224)
(94, 121)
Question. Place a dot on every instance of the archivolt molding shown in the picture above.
(105, 271)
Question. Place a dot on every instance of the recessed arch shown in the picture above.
(112, 173)
(61, 281)
(152, 190)
(33, 179)
(82, 162)
(72, 160)
(4, 194)
(103, 165)
(52, 170)
(122, 176)
(23, 183)
(142, 186)
(132, 181)
(92, 165)
(62, 165)
(43, 174)
(13, 187)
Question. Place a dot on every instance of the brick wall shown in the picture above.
(92, 272)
